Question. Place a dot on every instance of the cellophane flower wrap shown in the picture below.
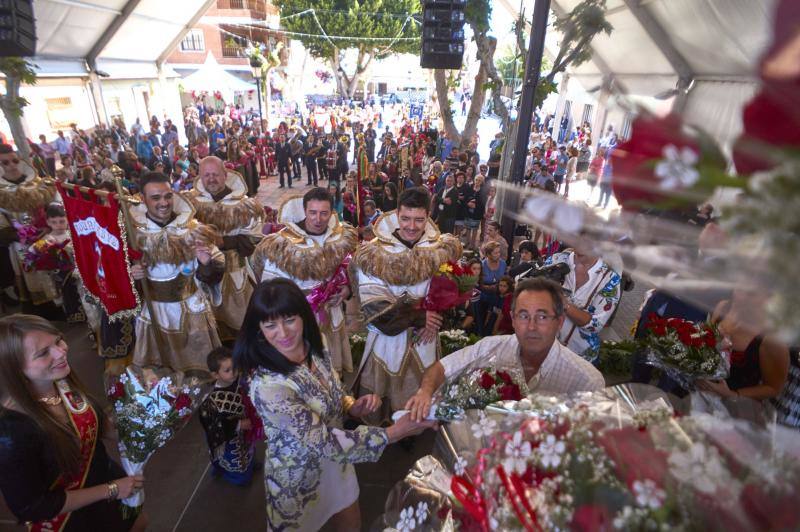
(451, 286)
(149, 409)
(574, 467)
(47, 256)
(684, 350)
(477, 387)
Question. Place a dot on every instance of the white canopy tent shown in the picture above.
(211, 76)
(103, 33)
(702, 53)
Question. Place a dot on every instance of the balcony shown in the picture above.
(257, 9)
(233, 51)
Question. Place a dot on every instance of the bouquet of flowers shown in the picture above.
(580, 471)
(451, 286)
(149, 412)
(684, 350)
(454, 339)
(357, 344)
(476, 389)
(47, 256)
(28, 233)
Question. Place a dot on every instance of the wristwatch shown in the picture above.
(113, 490)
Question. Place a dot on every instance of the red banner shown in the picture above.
(101, 250)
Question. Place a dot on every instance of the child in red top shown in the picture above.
(505, 291)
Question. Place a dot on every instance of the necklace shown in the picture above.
(51, 401)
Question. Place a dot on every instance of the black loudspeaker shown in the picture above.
(17, 29)
(442, 34)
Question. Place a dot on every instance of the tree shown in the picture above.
(578, 28)
(17, 71)
(477, 14)
(267, 59)
(327, 21)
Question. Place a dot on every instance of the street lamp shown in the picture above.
(255, 68)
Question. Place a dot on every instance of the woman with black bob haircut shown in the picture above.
(308, 472)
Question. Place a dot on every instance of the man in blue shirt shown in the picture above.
(63, 145)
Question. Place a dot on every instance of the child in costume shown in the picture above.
(229, 421)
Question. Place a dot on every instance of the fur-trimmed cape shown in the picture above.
(288, 250)
(175, 248)
(27, 197)
(226, 218)
(380, 259)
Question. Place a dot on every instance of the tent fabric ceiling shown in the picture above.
(716, 38)
(69, 29)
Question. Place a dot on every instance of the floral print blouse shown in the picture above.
(599, 296)
(302, 414)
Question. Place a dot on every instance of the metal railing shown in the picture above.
(233, 51)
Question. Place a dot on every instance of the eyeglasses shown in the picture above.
(539, 318)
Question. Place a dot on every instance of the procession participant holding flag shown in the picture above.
(393, 272)
(220, 199)
(179, 255)
(313, 250)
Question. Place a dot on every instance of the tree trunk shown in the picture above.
(486, 48)
(445, 111)
(13, 114)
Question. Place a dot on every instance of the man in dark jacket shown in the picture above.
(447, 206)
(283, 154)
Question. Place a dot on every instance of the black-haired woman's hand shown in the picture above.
(365, 405)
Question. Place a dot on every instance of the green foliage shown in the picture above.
(545, 88)
(478, 14)
(616, 358)
(16, 70)
(578, 28)
(19, 68)
(356, 19)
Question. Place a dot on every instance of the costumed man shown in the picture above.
(313, 250)
(220, 200)
(392, 273)
(179, 257)
(23, 198)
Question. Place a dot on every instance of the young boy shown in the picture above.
(229, 421)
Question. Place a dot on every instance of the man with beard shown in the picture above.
(179, 255)
(393, 272)
(220, 199)
(313, 250)
(532, 353)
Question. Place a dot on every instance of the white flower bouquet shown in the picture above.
(149, 411)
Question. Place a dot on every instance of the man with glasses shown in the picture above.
(533, 350)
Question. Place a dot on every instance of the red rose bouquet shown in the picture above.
(149, 411)
(450, 287)
(477, 389)
(684, 350)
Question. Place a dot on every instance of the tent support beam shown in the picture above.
(181, 34)
(108, 34)
(658, 34)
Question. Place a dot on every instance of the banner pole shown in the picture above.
(131, 231)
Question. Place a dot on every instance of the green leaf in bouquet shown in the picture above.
(616, 358)
(466, 283)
